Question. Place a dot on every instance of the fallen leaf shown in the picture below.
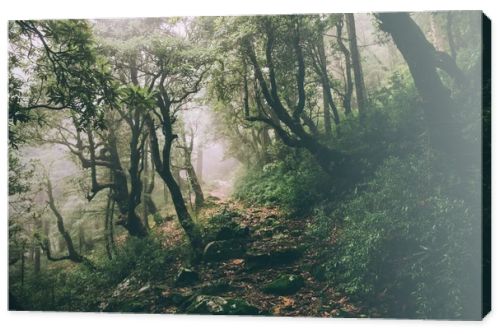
(287, 301)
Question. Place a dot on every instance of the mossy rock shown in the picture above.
(215, 288)
(272, 258)
(221, 250)
(232, 231)
(205, 304)
(177, 298)
(285, 285)
(318, 271)
(186, 276)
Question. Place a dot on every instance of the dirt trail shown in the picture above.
(270, 233)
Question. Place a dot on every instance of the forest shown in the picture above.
(323, 165)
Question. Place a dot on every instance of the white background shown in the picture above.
(37, 322)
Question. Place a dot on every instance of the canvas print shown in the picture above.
(327, 165)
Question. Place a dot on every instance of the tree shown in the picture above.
(347, 96)
(177, 73)
(320, 64)
(58, 63)
(149, 205)
(98, 150)
(356, 65)
(73, 254)
(423, 61)
(187, 150)
(279, 114)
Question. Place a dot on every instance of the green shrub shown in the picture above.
(295, 183)
(145, 258)
(224, 218)
(71, 287)
(405, 240)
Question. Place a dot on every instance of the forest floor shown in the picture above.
(274, 248)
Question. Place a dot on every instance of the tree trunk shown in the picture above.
(420, 56)
(294, 134)
(449, 33)
(348, 68)
(73, 255)
(81, 239)
(149, 206)
(22, 267)
(327, 93)
(195, 185)
(163, 167)
(107, 227)
(356, 64)
(36, 255)
(127, 202)
(199, 163)
(37, 262)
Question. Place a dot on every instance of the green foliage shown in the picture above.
(143, 258)
(406, 239)
(55, 65)
(66, 286)
(19, 175)
(295, 183)
(222, 219)
(158, 219)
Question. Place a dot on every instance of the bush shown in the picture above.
(144, 258)
(295, 183)
(69, 287)
(405, 240)
(224, 218)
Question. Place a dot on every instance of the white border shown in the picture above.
(111, 323)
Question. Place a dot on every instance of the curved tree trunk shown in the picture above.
(421, 57)
(73, 254)
(127, 203)
(162, 165)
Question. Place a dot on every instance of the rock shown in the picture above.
(205, 304)
(212, 198)
(186, 276)
(220, 250)
(128, 296)
(284, 285)
(271, 216)
(232, 232)
(215, 288)
(238, 306)
(144, 288)
(177, 298)
(318, 271)
(272, 258)
(266, 232)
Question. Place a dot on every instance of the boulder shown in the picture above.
(271, 217)
(221, 250)
(318, 271)
(272, 258)
(177, 298)
(265, 232)
(215, 288)
(186, 276)
(284, 285)
(205, 304)
(232, 232)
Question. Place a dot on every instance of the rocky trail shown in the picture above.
(255, 263)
